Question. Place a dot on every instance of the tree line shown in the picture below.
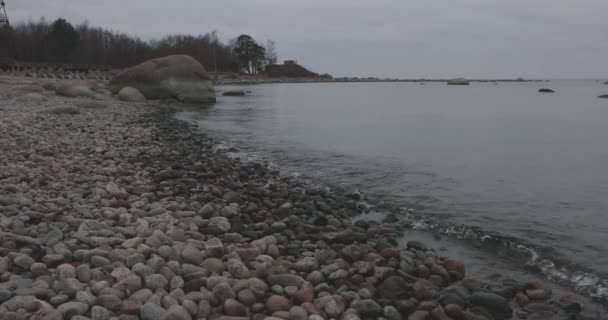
(63, 43)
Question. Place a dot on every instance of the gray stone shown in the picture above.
(368, 308)
(70, 309)
(497, 306)
(156, 281)
(151, 311)
(99, 261)
(74, 91)
(391, 313)
(298, 313)
(191, 255)
(24, 261)
(109, 301)
(100, 313)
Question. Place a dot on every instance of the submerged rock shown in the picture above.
(546, 90)
(234, 93)
(458, 82)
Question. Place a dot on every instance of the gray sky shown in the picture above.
(392, 38)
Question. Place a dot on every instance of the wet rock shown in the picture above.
(393, 288)
(497, 306)
(368, 308)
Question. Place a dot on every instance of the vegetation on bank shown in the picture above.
(61, 42)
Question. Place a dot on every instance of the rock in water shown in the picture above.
(71, 91)
(178, 77)
(234, 93)
(546, 90)
(130, 94)
(604, 96)
(458, 82)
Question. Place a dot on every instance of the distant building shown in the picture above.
(290, 62)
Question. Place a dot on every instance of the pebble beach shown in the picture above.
(117, 210)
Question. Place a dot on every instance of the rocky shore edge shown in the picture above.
(116, 210)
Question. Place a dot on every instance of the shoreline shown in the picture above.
(120, 208)
(522, 257)
(245, 81)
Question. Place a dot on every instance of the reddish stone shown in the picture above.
(440, 271)
(234, 308)
(337, 275)
(390, 253)
(436, 280)
(273, 251)
(248, 254)
(454, 311)
(305, 294)
(312, 309)
(130, 306)
(453, 264)
(251, 207)
(535, 284)
(278, 303)
(521, 314)
(423, 271)
(439, 314)
(421, 291)
(522, 299)
(568, 299)
(427, 305)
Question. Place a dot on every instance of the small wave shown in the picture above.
(582, 281)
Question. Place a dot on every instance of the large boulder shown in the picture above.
(178, 77)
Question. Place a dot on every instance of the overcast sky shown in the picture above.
(387, 38)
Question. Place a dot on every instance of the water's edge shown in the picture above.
(531, 259)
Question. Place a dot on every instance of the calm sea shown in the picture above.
(502, 160)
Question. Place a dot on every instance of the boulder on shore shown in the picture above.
(545, 90)
(458, 82)
(178, 77)
(74, 91)
(234, 93)
(130, 94)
